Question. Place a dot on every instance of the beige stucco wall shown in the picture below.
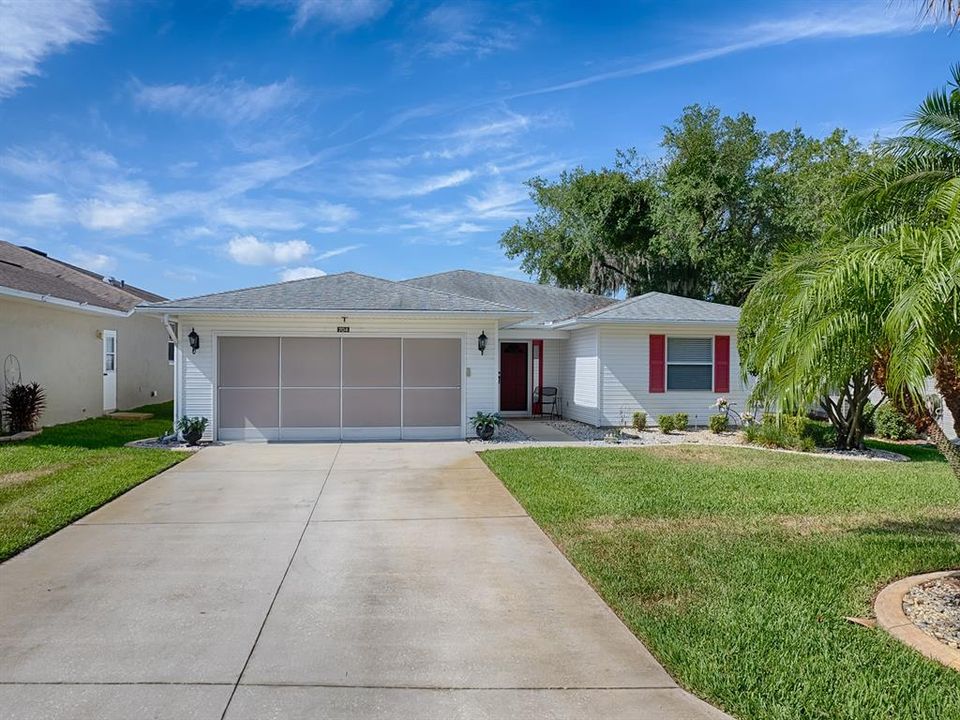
(59, 349)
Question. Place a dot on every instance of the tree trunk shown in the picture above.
(919, 414)
(949, 450)
(948, 384)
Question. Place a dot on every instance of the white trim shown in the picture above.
(533, 334)
(332, 313)
(66, 304)
(575, 323)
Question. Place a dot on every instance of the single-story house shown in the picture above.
(75, 332)
(350, 356)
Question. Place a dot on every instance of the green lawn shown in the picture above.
(68, 470)
(737, 566)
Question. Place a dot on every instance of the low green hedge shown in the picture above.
(792, 432)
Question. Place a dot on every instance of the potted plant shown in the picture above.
(192, 429)
(486, 424)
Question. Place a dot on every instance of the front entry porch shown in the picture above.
(527, 366)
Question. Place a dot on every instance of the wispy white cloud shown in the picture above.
(327, 254)
(332, 216)
(844, 21)
(233, 102)
(32, 30)
(97, 262)
(250, 250)
(339, 14)
(387, 186)
(121, 216)
(45, 209)
(455, 28)
(300, 273)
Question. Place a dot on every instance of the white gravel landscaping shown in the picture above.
(651, 436)
(506, 433)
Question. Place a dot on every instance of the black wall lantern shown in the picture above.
(194, 341)
(482, 342)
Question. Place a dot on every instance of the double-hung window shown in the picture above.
(689, 363)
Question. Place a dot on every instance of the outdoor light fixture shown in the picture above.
(194, 341)
(482, 342)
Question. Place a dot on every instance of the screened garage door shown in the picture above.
(304, 388)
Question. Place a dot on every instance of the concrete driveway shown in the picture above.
(317, 581)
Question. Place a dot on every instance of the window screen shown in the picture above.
(689, 363)
(171, 352)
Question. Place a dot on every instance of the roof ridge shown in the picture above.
(257, 287)
(450, 294)
(405, 286)
(625, 301)
(543, 286)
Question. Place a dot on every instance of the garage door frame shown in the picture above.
(412, 433)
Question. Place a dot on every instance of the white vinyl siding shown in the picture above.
(197, 372)
(551, 363)
(579, 378)
(625, 381)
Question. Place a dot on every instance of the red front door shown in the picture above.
(513, 376)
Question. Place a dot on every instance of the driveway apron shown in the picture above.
(258, 581)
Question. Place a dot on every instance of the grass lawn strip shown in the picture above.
(69, 470)
(736, 567)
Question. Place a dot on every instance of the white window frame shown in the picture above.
(710, 364)
(171, 356)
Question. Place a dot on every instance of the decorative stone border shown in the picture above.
(17, 437)
(890, 616)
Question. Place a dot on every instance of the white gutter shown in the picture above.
(171, 309)
(68, 304)
(577, 322)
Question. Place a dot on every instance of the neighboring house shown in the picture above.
(350, 356)
(75, 333)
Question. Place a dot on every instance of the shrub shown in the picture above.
(22, 406)
(791, 432)
(773, 435)
(640, 420)
(680, 421)
(869, 420)
(892, 425)
(666, 423)
(719, 423)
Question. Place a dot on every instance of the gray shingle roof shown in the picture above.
(658, 306)
(341, 293)
(32, 271)
(549, 303)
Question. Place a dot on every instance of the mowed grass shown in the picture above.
(737, 567)
(68, 470)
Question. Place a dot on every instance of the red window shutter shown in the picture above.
(721, 364)
(658, 363)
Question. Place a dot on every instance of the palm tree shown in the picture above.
(874, 310)
(913, 165)
(946, 10)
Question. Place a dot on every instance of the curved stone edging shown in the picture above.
(890, 616)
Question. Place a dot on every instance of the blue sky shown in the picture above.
(191, 147)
